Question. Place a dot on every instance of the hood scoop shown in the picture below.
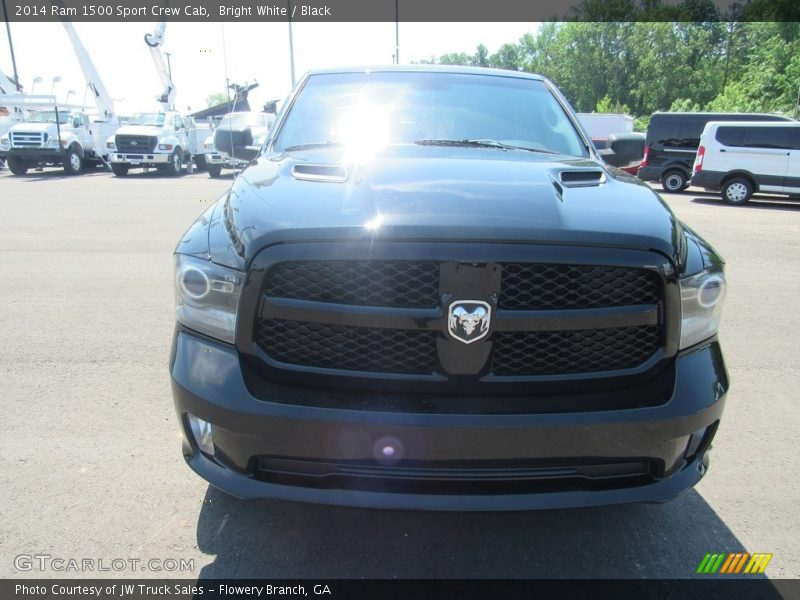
(320, 172)
(582, 177)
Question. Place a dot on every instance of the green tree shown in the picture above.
(644, 66)
(216, 98)
(606, 105)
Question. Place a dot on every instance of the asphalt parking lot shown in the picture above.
(92, 466)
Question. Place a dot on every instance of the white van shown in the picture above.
(742, 158)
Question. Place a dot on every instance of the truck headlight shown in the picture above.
(207, 296)
(165, 146)
(702, 296)
(5, 143)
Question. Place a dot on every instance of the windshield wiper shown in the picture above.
(311, 145)
(483, 143)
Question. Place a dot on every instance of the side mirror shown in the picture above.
(627, 146)
(76, 122)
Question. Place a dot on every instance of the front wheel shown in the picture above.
(175, 165)
(120, 169)
(737, 191)
(17, 165)
(214, 170)
(73, 163)
(674, 182)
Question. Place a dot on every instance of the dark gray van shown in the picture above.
(672, 140)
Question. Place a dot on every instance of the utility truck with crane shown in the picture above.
(163, 138)
(9, 115)
(52, 136)
(59, 134)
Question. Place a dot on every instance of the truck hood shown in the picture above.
(36, 127)
(436, 193)
(140, 130)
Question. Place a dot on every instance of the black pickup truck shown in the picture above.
(428, 292)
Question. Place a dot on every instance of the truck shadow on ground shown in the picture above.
(54, 174)
(276, 539)
(756, 202)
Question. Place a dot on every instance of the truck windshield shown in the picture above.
(151, 119)
(49, 116)
(422, 107)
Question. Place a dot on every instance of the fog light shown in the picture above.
(203, 434)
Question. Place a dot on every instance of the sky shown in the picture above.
(203, 55)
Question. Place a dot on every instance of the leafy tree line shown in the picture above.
(641, 67)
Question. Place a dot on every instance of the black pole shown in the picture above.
(291, 43)
(397, 31)
(58, 127)
(11, 47)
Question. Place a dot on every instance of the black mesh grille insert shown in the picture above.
(581, 176)
(364, 283)
(348, 348)
(580, 351)
(549, 286)
(135, 143)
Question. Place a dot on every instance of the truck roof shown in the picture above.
(429, 69)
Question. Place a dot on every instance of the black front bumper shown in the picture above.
(51, 156)
(274, 448)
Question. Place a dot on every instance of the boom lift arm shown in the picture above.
(6, 85)
(154, 42)
(102, 99)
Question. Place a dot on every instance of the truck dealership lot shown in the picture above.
(91, 445)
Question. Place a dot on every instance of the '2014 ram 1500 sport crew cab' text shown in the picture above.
(428, 292)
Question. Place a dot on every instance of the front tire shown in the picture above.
(214, 170)
(73, 163)
(175, 163)
(737, 191)
(120, 169)
(17, 165)
(674, 181)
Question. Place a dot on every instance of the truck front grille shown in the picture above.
(25, 139)
(542, 286)
(581, 351)
(349, 348)
(135, 143)
(401, 284)
(389, 316)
